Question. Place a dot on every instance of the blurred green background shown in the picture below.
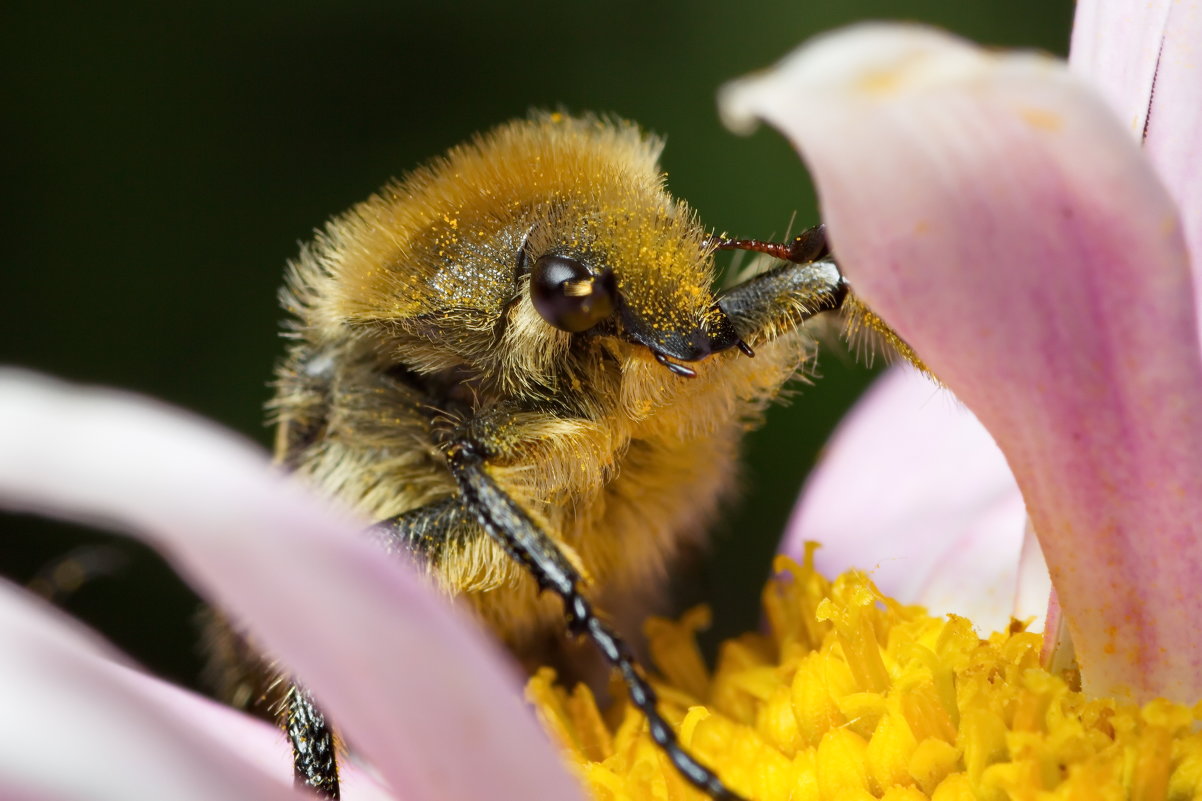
(164, 160)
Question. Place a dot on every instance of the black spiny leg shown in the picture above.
(313, 762)
(506, 522)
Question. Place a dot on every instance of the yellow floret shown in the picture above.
(854, 696)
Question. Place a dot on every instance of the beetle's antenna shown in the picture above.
(810, 245)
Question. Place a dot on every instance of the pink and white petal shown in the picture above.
(992, 209)
(1117, 47)
(913, 488)
(414, 686)
(80, 722)
(1174, 134)
(1147, 59)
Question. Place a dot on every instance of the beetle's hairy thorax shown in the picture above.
(623, 465)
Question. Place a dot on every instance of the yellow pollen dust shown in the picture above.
(1042, 119)
(854, 696)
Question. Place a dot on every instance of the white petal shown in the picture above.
(415, 688)
(914, 489)
(79, 723)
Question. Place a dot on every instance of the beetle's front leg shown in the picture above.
(810, 282)
(510, 525)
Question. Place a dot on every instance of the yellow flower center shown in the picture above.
(854, 696)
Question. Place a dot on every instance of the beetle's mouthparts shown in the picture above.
(679, 369)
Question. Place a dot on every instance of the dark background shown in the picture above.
(160, 163)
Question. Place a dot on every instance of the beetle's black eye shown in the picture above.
(568, 296)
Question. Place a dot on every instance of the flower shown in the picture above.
(995, 212)
(850, 695)
(418, 690)
(1073, 337)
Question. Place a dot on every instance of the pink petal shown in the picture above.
(427, 699)
(1147, 60)
(992, 209)
(1117, 46)
(912, 487)
(80, 723)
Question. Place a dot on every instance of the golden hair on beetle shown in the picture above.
(422, 273)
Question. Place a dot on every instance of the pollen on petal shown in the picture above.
(854, 696)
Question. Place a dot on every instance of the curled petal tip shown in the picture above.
(866, 61)
(736, 106)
